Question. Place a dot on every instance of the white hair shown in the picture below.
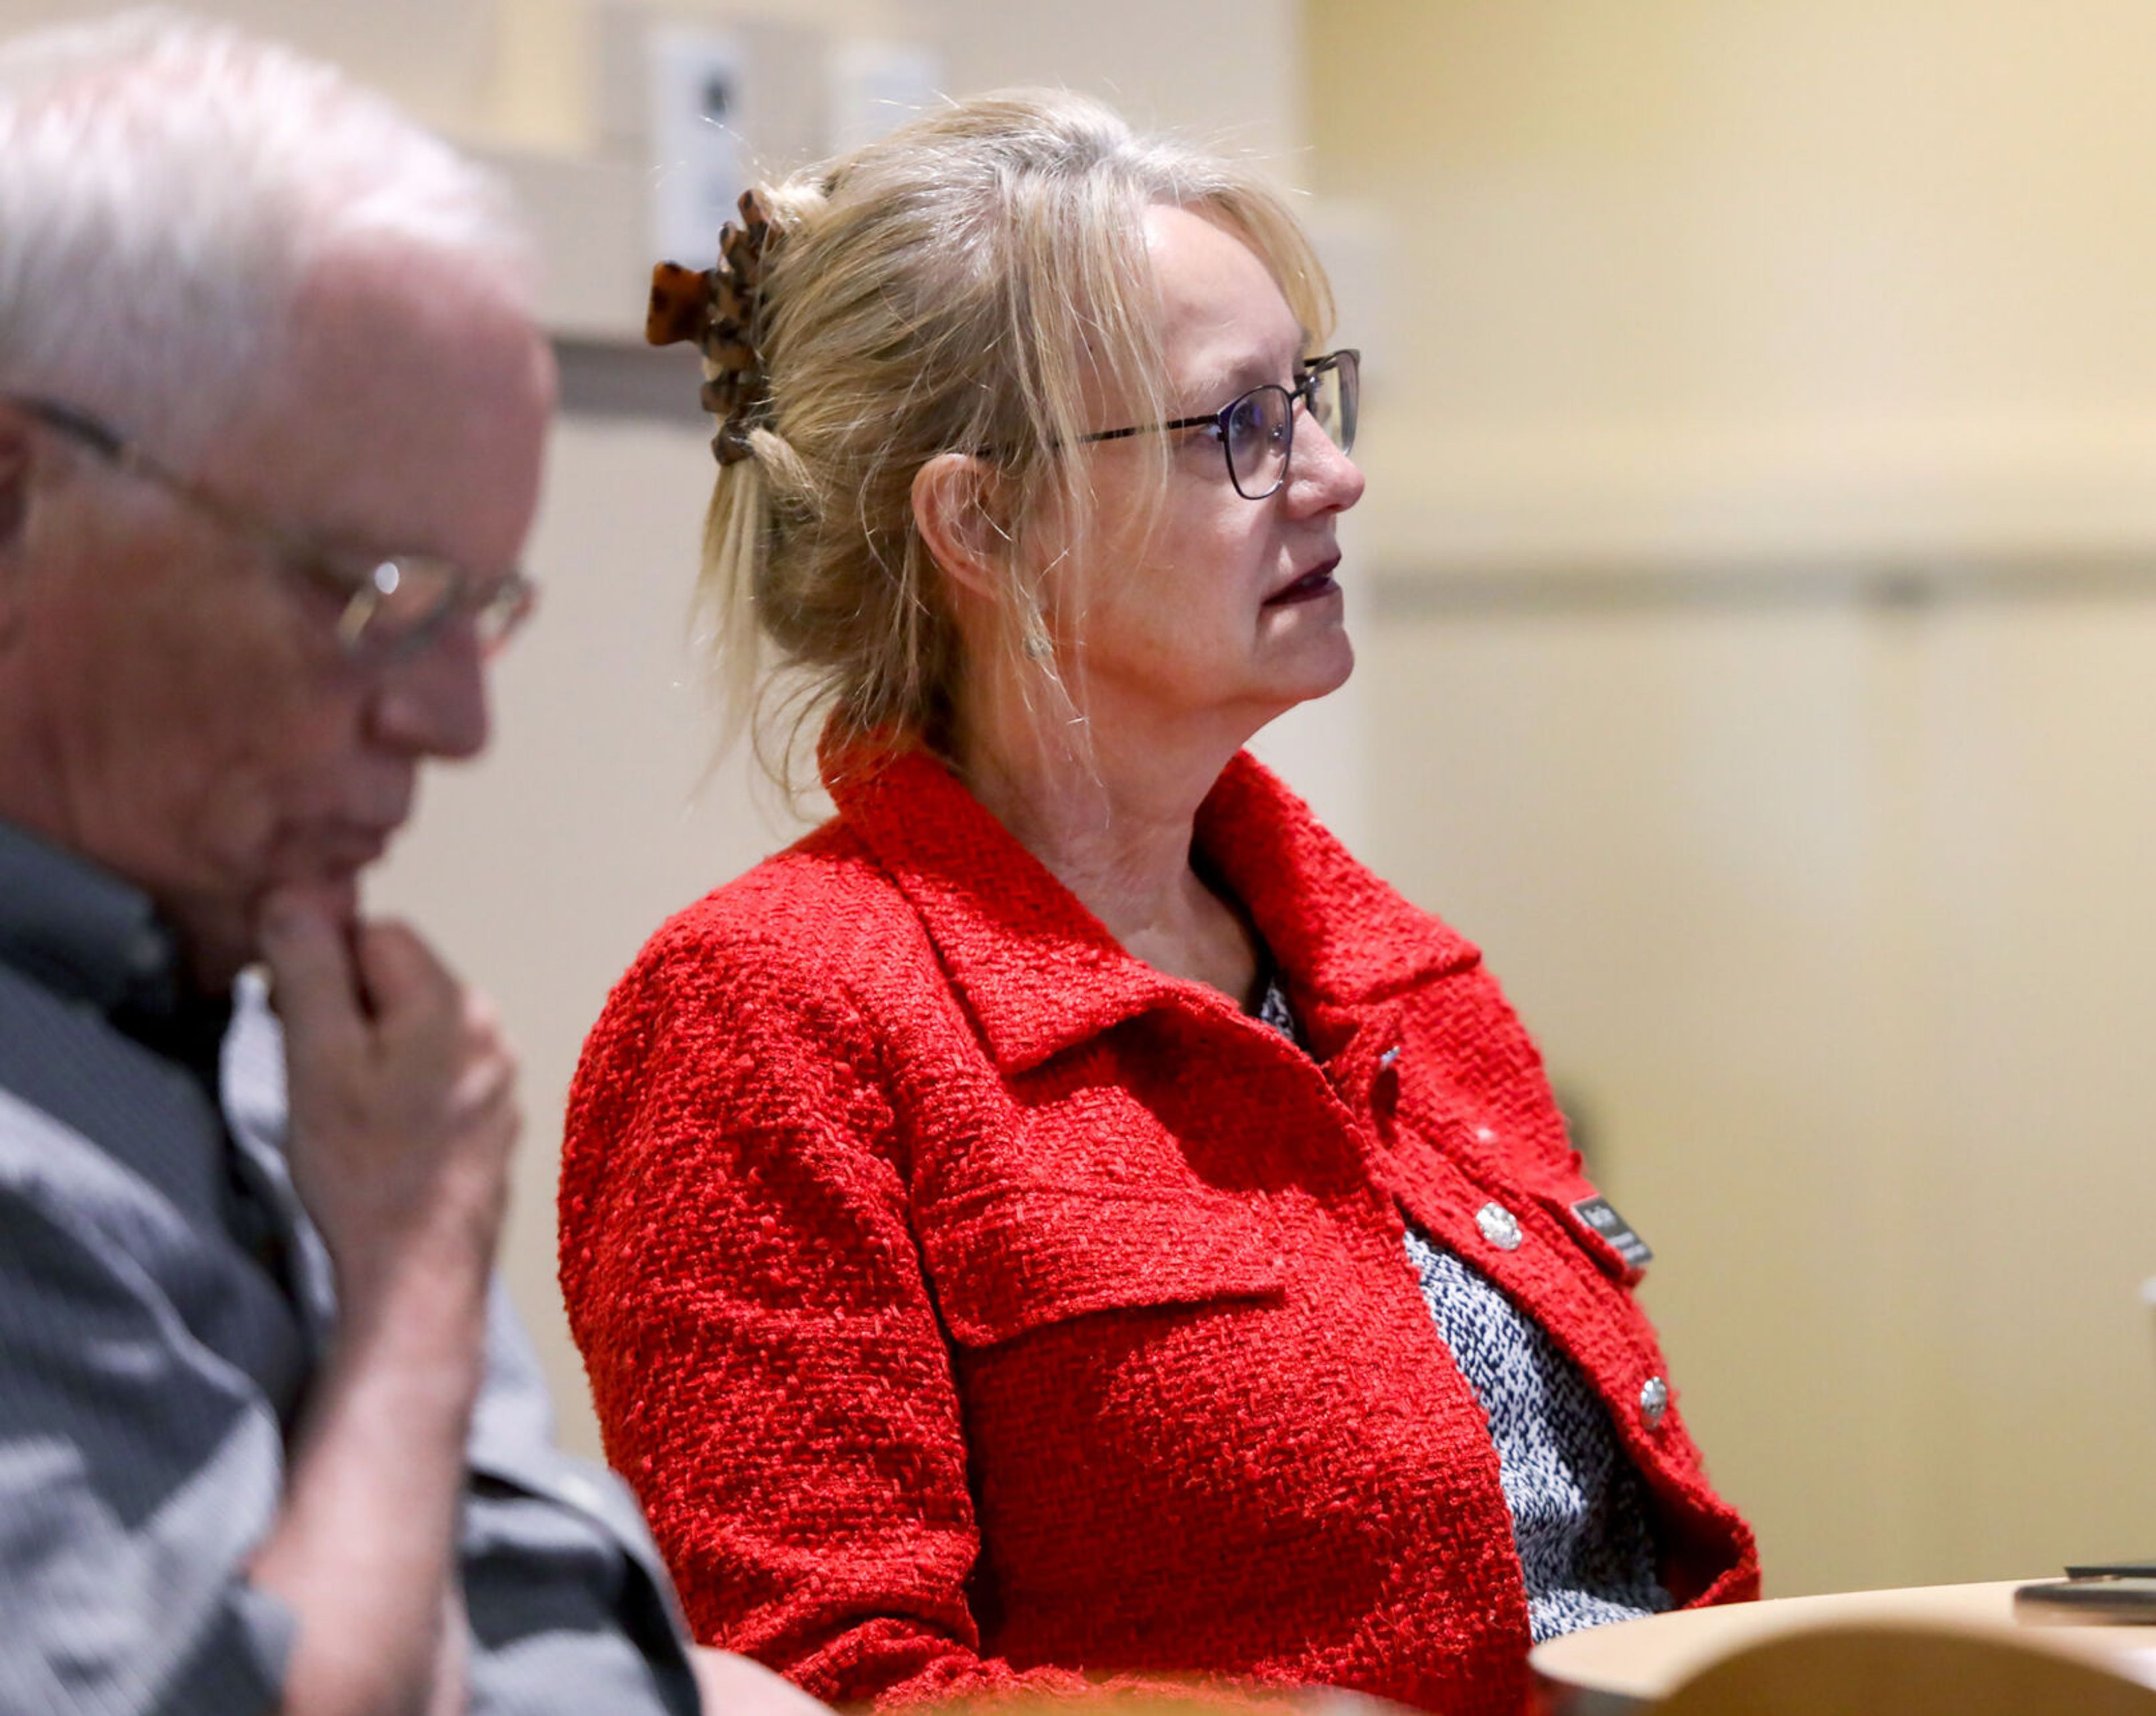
(167, 188)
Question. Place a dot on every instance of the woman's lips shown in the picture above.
(1317, 581)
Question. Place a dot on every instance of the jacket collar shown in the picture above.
(1041, 974)
(1342, 934)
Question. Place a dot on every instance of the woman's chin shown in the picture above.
(1316, 666)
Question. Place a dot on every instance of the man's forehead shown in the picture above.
(372, 325)
(405, 409)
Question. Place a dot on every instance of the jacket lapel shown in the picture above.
(1341, 935)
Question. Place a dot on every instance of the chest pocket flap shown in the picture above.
(1019, 1258)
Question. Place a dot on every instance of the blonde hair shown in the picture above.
(948, 289)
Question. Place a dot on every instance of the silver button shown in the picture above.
(1653, 1401)
(1499, 1227)
(1388, 1057)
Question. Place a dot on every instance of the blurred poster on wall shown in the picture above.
(695, 81)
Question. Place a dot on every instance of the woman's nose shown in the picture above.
(1321, 477)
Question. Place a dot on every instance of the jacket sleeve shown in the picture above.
(766, 1359)
(570, 1610)
(138, 1466)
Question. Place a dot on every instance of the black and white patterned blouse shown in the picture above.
(1578, 1507)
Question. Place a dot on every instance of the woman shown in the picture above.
(1064, 1215)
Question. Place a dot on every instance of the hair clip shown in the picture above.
(721, 308)
(680, 305)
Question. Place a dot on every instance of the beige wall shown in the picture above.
(1789, 273)
(1763, 507)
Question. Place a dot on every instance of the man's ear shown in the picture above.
(957, 508)
(17, 447)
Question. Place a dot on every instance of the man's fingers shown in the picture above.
(311, 972)
(487, 1081)
(401, 978)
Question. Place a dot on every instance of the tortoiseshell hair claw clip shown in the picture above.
(720, 310)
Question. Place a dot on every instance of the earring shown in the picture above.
(1033, 635)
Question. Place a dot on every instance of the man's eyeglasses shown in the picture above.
(394, 605)
(1257, 429)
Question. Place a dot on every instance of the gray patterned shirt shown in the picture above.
(163, 1302)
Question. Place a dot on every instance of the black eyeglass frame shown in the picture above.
(496, 606)
(1347, 362)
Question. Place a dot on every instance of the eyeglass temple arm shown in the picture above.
(104, 442)
(1211, 420)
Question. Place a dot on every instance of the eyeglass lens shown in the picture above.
(1260, 425)
(1258, 436)
(402, 603)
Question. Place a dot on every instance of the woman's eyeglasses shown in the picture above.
(1257, 429)
(395, 605)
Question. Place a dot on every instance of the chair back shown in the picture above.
(1904, 1670)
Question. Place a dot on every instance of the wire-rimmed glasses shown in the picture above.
(1257, 429)
(394, 604)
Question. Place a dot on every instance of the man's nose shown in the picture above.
(433, 702)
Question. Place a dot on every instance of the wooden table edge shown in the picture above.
(1606, 1670)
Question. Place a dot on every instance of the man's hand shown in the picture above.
(403, 1099)
(737, 1686)
(403, 1114)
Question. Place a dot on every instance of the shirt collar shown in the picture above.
(80, 931)
(1041, 973)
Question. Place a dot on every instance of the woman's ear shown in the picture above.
(956, 507)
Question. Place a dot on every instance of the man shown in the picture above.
(272, 404)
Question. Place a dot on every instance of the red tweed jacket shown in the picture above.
(970, 1303)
